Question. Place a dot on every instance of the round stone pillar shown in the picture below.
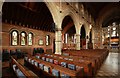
(119, 37)
(87, 41)
(77, 41)
(58, 41)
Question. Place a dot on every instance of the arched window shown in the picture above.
(47, 40)
(30, 39)
(14, 37)
(23, 38)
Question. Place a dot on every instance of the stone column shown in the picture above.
(77, 41)
(119, 36)
(58, 41)
(100, 36)
(93, 41)
(87, 40)
(1, 4)
(93, 37)
(110, 39)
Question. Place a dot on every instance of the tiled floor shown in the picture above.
(110, 67)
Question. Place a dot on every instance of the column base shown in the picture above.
(78, 49)
(58, 53)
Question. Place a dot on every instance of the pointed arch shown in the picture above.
(73, 16)
(53, 10)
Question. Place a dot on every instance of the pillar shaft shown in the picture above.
(87, 40)
(58, 41)
(119, 37)
(93, 43)
(77, 41)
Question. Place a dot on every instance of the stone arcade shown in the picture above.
(60, 39)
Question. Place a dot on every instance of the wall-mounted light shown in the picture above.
(60, 11)
(60, 6)
(76, 11)
(67, 3)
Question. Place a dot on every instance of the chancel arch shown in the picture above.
(106, 18)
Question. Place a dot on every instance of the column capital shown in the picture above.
(59, 53)
(77, 34)
(58, 29)
(78, 42)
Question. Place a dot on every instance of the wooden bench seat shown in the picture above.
(101, 54)
(24, 72)
(98, 54)
(86, 65)
(96, 57)
(61, 69)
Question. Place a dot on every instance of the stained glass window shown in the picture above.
(23, 38)
(14, 37)
(30, 39)
(114, 28)
(113, 33)
(47, 39)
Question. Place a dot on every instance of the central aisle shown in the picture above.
(110, 66)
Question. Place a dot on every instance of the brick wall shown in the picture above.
(38, 34)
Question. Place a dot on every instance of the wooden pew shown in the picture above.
(78, 60)
(25, 73)
(66, 71)
(35, 68)
(86, 65)
(98, 54)
(96, 57)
